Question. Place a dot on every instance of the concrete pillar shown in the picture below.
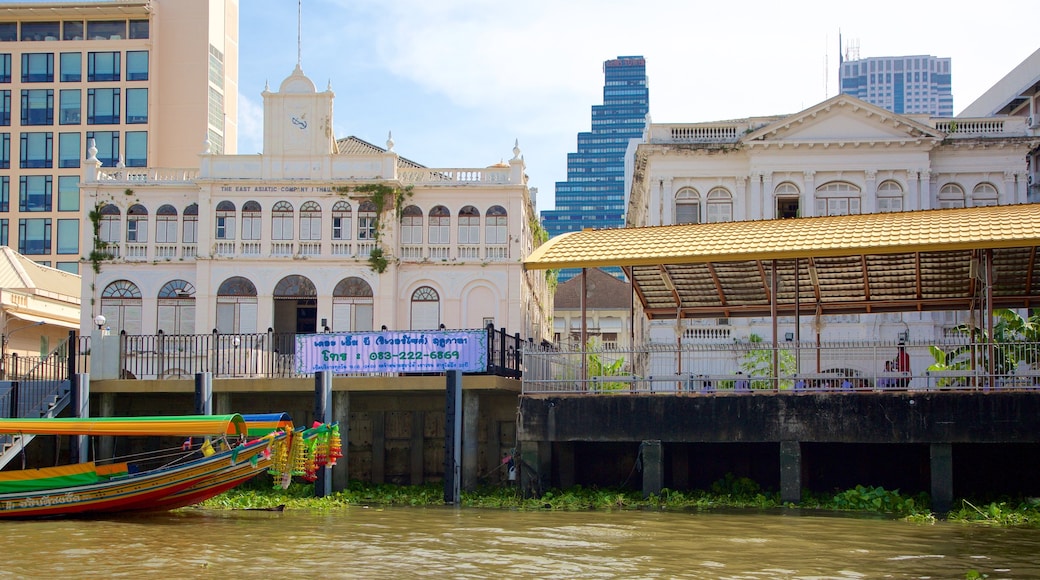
(106, 408)
(942, 477)
(535, 467)
(222, 404)
(378, 447)
(80, 449)
(341, 415)
(653, 467)
(565, 463)
(680, 457)
(470, 439)
(790, 471)
(416, 448)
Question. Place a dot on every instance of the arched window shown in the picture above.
(788, 199)
(236, 306)
(889, 197)
(137, 224)
(495, 225)
(352, 305)
(166, 224)
(225, 221)
(687, 206)
(252, 219)
(720, 205)
(191, 224)
(837, 198)
(411, 225)
(341, 221)
(426, 312)
(281, 221)
(951, 195)
(295, 286)
(469, 226)
(366, 229)
(121, 306)
(440, 225)
(176, 312)
(108, 225)
(984, 194)
(310, 221)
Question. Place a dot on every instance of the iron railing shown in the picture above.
(257, 355)
(749, 367)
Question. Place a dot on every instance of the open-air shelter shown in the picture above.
(978, 258)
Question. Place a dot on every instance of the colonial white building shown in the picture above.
(314, 234)
(841, 156)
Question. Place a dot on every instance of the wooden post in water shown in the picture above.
(453, 438)
(323, 413)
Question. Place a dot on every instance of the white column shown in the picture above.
(667, 201)
(756, 199)
(740, 199)
(868, 203)
(808, 203)
(1010, 193)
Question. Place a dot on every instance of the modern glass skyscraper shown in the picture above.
(907, 85)
(594, 194)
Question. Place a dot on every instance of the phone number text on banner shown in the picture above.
(401, 352)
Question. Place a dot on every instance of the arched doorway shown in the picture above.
(295, 306)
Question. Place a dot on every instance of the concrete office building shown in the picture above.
(906, 85)
(147, 82)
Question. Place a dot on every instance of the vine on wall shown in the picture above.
(384, 197)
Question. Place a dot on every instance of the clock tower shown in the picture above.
(297, 118)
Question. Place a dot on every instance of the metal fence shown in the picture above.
(746, 367)
(261, 355)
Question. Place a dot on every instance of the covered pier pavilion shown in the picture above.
(943, 433)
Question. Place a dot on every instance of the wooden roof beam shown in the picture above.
(718, 284)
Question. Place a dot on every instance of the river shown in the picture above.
(360, 542)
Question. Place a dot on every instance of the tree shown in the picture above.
(758, 362)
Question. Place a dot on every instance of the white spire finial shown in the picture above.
(207, 147)
(299, 33)
(516, 150)
(389, 141)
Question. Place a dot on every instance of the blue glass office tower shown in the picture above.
(594, 194)
(907, 85)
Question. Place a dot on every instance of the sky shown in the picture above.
(458, 81)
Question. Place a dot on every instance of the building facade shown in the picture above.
(906, 85)
(594, 194)
(316, 234)
(841, 156)
(603, 314)
(123, 75)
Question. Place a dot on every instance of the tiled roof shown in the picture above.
(354, 146)
(602, 291)
(923, 260)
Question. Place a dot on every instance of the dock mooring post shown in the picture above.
(453, 438)
(203, 393)
(323, 413)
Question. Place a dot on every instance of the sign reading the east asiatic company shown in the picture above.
(402, 352)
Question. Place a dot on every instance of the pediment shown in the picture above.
(843, 119)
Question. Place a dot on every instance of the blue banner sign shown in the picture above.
(417, 351)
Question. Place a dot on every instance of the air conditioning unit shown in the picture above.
(1033, 122)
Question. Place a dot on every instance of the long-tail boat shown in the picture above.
(225, 456)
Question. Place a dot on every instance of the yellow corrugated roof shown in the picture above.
(884, 233)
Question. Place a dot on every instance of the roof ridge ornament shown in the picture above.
(389, 141)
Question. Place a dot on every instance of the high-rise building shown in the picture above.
(594, 194)
(906, 85)
(124, 76)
